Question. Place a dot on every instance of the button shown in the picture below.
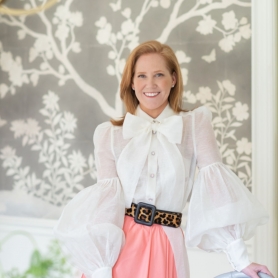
(154, 131)
(152, 175)
(152, 153)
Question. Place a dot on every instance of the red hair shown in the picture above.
(128, 95)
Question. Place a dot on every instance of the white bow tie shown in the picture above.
(169, 133)
(170, 127)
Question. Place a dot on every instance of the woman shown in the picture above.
(128, 224)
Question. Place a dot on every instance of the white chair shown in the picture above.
(235, 274)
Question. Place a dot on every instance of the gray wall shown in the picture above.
(59, 78)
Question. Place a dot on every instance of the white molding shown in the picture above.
(264, 126)
(27, 221)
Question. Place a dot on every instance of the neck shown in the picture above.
(154, 113)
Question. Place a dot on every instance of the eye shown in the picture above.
(141, 76)
(159, 74)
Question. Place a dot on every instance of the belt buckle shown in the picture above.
(148, 206)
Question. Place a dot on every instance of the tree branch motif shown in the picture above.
(63, 171)
(176, 20)
(128, 37)
(228, 115)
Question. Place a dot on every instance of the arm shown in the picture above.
(91, 223)
(222, 212)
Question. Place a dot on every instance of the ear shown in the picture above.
(174, 78)
(132, 86)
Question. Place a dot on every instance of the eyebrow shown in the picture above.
(156, 71)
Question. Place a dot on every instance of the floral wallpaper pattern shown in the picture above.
(60, 72)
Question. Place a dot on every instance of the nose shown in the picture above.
(151, 83)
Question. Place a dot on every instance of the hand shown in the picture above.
(252, 270)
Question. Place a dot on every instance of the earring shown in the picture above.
(173, 85)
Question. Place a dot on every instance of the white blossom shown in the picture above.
(32, 128)
(6, 61)
(51, 101)
(69, 122)
(204, 94)
(16, 73)
(76, 18)
(62, 13)
(206, 25)
(243, 146)
(110, 70)
(76, 47)
(245, 31)
(229, 160)
(103, 35)
(111, 55)
(243, 21)
(42, 44)
(165, 4)
(62, 32)
(237, 37)
(190, 98)
(7, 153)
(240, 111)
(127, 27)
(126, 12)
(18, 127)
(101, 22)
(229, 20)
(77, 161)
(227, 43)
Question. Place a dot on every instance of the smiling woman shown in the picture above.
(128, 224)
(60, 74)
(152, 83)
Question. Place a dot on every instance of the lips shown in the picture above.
(151, 94)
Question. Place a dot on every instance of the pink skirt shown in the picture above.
(147, 253)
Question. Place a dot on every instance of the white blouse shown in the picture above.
(154, 161)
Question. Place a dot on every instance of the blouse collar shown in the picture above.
(167, 112)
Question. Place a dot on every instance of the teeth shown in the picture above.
(151, 94)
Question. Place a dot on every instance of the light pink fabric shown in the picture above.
(147, 253)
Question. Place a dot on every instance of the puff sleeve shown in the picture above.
(222, 211)
(91, 223)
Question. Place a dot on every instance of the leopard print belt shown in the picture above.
(147, 214)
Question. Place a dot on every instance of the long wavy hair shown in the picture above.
(128, 95)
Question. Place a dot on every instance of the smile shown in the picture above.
(151, 94)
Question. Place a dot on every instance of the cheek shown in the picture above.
(138, 83)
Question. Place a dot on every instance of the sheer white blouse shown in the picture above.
(154, 161)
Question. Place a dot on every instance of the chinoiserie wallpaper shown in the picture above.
(59, 78)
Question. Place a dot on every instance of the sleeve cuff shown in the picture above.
(104, 272)
(237, 254)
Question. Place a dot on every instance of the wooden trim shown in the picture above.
(264, 127)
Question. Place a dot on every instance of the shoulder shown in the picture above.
(199, 114)
(102, 130)
(202, 113)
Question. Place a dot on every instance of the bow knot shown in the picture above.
(170, 127)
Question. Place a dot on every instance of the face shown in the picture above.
(152, 83)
